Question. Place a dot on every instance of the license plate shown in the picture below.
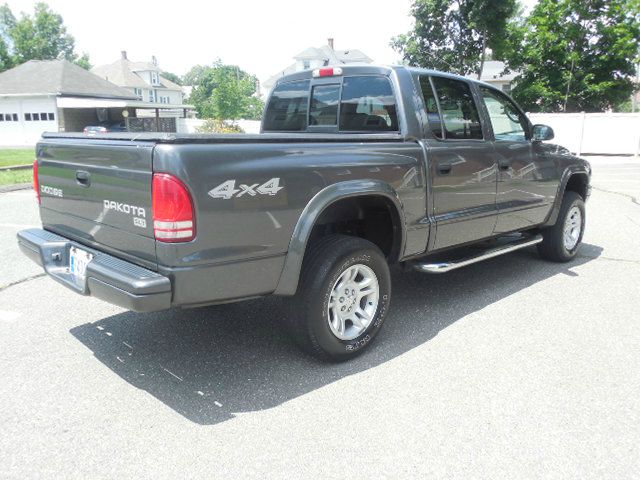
(78, 261)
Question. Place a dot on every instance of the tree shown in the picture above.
(454, 35)
(225, 92)
(576, 55)
(41, 36)
(172, 77)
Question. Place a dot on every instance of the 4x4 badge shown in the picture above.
(228, 189)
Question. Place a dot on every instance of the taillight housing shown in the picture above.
(173, 216)
(36, 180)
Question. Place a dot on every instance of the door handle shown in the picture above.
(444, 168)
(83, 178)
(504, 164)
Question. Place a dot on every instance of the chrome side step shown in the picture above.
(443, 267)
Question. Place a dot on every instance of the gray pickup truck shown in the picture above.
(357, 168)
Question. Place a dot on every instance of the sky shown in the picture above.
(259, 36)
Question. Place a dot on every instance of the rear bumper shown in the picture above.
(107, 278)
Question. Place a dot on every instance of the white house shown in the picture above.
(312, 57)
(52, 95)
(142, 79)
(493, 74)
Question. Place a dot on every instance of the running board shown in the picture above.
(443, 267)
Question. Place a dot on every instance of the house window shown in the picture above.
(138, 92)
(506, 88)
(39, 117)
(306, 64)
(152, 95)
(155, 78)
(8, 117)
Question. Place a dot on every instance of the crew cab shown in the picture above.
(356, 168)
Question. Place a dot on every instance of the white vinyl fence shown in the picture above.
(594, 133)
(581, 133)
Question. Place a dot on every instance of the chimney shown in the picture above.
(123, 54)
(154, 60)
(330, 41)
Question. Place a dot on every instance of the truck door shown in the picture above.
(461, 163)
(525, 189)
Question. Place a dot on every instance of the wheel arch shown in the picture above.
(319, 204)
(574, 179)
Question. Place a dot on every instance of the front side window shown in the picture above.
(458, 109)
(324, 105)
(506, 120)
(368, 104)
(287, 109)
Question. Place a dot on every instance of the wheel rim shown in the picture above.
(572, 228)
(353, 302)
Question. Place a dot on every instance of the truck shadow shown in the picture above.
(210, 364)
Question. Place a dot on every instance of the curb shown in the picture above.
(17, 186)
(16, 167)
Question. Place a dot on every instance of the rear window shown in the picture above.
(368, 104)
(287, 109)
(358, 104)
(324, 105)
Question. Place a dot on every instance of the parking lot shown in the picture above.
(511, 368)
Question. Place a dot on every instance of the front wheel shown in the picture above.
(342, 299)
(561, 241)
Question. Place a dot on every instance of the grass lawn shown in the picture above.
(16, 156)
(11, 177)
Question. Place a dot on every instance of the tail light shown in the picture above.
(36, 180)
(173, 216)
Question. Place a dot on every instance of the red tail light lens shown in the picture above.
(173, 217)
(36, 181)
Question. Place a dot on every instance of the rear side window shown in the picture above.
(458, 109)
(324, 105)
(287, 109)
(368, 104)
(432, 107)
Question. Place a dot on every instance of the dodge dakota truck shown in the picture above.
(356, 168)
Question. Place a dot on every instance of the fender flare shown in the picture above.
(288, 283)
(564, 180)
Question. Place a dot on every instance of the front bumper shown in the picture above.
(107, 277)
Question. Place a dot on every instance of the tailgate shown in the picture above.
(99, 192)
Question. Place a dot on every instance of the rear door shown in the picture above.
(462, 163)
(523, 195)
(98, 192)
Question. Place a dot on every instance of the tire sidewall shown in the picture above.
(575, 202)
(321, 331)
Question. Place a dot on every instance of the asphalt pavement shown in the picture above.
(511, 368)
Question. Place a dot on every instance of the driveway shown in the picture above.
(511, 368)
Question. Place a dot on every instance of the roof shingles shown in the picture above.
(57, 77)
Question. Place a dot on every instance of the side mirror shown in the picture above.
(540, 133)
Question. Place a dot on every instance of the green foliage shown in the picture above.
(172, 77)
(83, 61)
(575, 55)
(213, 125)
(41, 36)
(224, 92)
(454, 36)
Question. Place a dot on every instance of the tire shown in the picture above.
(555, 246)
(318, 312)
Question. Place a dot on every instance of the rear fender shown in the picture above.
(288, 283)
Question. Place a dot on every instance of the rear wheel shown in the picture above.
(562, 241)
(342, 299)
